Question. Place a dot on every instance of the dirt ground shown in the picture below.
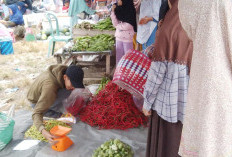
(17, 71)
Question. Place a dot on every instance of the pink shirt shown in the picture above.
(6, 34)
(124, 31)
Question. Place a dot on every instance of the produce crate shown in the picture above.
(91, 32)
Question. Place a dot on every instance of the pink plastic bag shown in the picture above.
(77, 100)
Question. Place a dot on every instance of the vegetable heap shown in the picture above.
(113, 148)
(34, 133)
(113, 108)
(104, 81)
(105, 24)
(44, 34)
(85, 25)
(101, 42)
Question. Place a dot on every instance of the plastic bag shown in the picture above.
(6, 127)
(138, 102)
(77, 100)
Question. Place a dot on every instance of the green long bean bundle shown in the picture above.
(105, 24)
(100, 42)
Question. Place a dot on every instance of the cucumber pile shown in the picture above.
(113, 148)
(100, 42)
(44, 34)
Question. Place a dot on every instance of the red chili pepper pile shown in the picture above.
(113, 108)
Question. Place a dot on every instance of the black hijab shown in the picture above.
(127, 13)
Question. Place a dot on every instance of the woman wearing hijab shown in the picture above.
(16, 17)
(124, 20)
(208, 120)
(148, 20)
(165, 91)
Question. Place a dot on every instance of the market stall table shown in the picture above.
(71, 57)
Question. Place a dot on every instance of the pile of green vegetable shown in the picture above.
(85, 25)
(113, 148)
(100, 42)
(44, 34)
(35, 134)
(104, 82)
(105, 24)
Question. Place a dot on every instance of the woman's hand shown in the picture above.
(113, 7)
(145, 20)
(49, 137)
(160, 23)
(137, 46)
(98, 13)
(146, 113)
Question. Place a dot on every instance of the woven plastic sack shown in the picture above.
(131, 72)
(6, 130)
(77, 100)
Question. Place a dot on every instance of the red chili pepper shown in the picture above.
(113, 109)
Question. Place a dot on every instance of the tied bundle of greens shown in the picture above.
(113, 148)
(34, 133)
(100, 42)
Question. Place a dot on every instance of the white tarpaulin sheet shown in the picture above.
(86, 139)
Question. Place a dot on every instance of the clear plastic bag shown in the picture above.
(77, 100)
(138, 102)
